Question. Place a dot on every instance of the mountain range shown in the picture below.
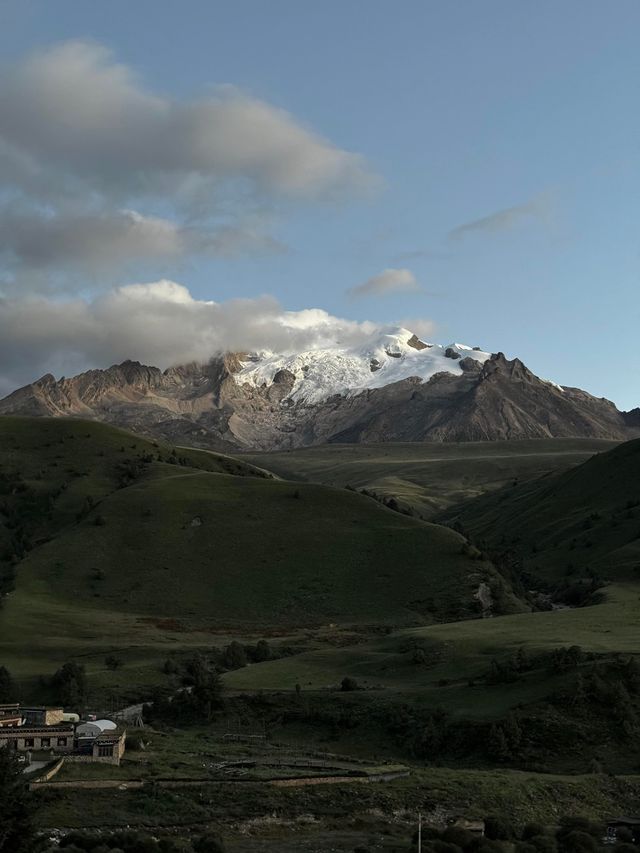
(392, 387)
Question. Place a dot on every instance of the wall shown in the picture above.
(53, 716)
(93, 759)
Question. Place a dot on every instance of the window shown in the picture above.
(62, 741)
(45, 742)
(28, 742)
(105, 751)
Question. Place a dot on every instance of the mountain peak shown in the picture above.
(390, 386)
(390, 356)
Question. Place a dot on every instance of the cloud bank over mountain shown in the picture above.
(158, 323)
(105, 181)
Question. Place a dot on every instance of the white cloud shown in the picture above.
(387, 282)
(91, 243)
(82, 112)
(83, 143)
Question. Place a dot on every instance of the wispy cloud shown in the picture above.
(387, 282)
(422, 254)
(538, 208)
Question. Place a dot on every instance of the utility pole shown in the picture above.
(419, 833)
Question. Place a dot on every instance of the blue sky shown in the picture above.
(461, 111)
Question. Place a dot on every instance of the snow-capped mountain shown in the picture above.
(347, 370)
(391, 387)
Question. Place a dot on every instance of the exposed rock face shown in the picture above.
(632, 418)
(209, 406)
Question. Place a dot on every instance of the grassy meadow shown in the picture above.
(456, 653)
(429, 476)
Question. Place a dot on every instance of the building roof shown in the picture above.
(111, 736)
(42, 708)
(62, 729)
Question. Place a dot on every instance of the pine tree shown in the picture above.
(579, 700)
(70, 683)
(498, 745)
(512, 733)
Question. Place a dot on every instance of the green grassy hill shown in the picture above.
(120, 543)
(565, 525)
(430, 477)
(456, 653)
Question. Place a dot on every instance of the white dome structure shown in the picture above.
(93, 729)
(105, 725)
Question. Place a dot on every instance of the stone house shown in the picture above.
(109, 747)
(35, 729)
(29, 738)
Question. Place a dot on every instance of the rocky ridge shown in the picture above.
(394, 388)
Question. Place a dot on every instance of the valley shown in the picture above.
(364, 571)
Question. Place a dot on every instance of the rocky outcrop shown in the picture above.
(204, 406)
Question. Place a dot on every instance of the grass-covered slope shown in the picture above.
(54, 471)
(216, 550)
(565, 524)
(455, 658)
(120, 542)
(430, 477)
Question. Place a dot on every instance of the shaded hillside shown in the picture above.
(570, 524)
(54, 472)
(116, 540)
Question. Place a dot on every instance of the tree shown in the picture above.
(513, 733)
(498, 828)
(530, 830)
(7, 687)
(579, 835)
(235, 656)
(16, 830)
(70, 685)
(209, 844)
(622, 705)
(170, 667)
(498, 745)
(263, 651)
(207, 687)
(579, 842)
(348, 683)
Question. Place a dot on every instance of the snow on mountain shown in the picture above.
(391, 356)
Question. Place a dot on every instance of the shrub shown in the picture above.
(498, 828)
